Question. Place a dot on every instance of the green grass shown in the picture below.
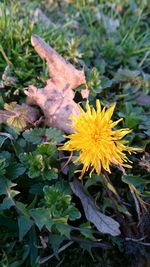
(117, 66)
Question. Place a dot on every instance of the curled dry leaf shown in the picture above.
(18, 116)
(56, 98)
(103, 223)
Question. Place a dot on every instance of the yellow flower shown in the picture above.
(98, 144)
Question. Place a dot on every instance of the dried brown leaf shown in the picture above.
(56, 98)
(103, 223)
(18, 116)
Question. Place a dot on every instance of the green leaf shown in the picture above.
(37, 136)
(135, 180)
(7, 156)
(6, 189)
(24, 224)
(5, 159)
(2, 140)
(125, 75)
(86, 231)
(6, 204)
(51, 175)
(73, 212)
(93, 180)
(107, 203)
(33, 163)
(105, 82)
(56, 241)
(87, 247)
(94, 82)
(42, 162)
(60, 225)
(109, 185)
(64, 229)
(132, 120)
(2, 166)
(41, 216)
(11, 132)
(15, 170)
(36, 189)
(22, 207)
(48, 150)
(58, 200)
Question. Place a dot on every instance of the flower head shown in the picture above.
(99, 145)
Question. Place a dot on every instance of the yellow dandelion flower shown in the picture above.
(98, 144)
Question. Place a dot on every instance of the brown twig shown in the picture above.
(92, 243)
(46, 259)
(66, 163)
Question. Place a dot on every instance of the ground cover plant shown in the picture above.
(48, 216)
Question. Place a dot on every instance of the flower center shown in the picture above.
(96, 138)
